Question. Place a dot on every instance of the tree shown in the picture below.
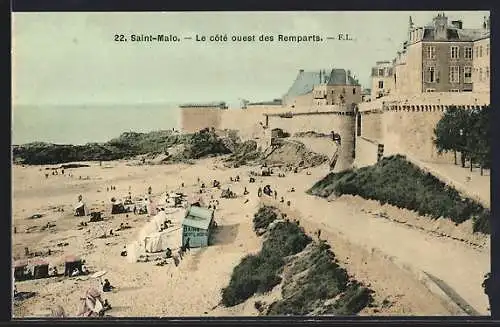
(468, 132)
(479, 143)
(451, 132)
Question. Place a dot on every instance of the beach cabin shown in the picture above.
(40, 269)
(197, 226)
(20, 268)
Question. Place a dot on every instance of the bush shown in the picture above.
(322, 279)
(260, 273)
(264, 216)
(395, 181)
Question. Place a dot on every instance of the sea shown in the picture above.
(80, 124)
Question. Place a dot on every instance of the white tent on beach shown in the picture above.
(169, 238)
(80, 209)
(152, 239)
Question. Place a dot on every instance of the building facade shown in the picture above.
(382, 79)
(481, 61)
(441, 56)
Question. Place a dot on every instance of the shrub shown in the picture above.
(264, 216)
(323, 279)
(260, 273)
(395, 181)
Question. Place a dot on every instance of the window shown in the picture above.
(380, 84)
(381, 72)
(454, 90)
(488, 49)
(487, 73)
(476, 51)
(454, 74)
(480, 74)
(431, 52)
(480, 51)
(454, 52)
(467, 74)
(430, 90)
(431, 75)
(354, 91)
(468, 53)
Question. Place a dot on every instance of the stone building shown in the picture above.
(440, 57)
(481, 62)
(382, 79)
(320, 88)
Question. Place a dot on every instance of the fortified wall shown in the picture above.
(194, 119)
(406, 124)
(321, 119)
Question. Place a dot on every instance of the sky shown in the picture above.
(72, 58)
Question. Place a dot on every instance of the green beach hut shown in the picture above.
(197, 226)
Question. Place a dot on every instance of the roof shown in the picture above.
(198, 217)
(306, 81)
(341, 77)
(20, 263)
(72, 258)
(39, 262)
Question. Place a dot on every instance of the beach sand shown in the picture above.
(194, 287)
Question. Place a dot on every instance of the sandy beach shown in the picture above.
(373, 250)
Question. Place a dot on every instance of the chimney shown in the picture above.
(457, 24)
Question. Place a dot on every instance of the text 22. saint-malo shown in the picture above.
(146, 38)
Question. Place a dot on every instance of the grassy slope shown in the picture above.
(395, 181)
(313, 276)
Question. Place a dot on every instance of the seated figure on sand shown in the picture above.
(106, 286)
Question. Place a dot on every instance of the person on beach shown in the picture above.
(282, 200)
(187, 246)
(259, 192)
(245, 192)
(106, 286)
(275, 195)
